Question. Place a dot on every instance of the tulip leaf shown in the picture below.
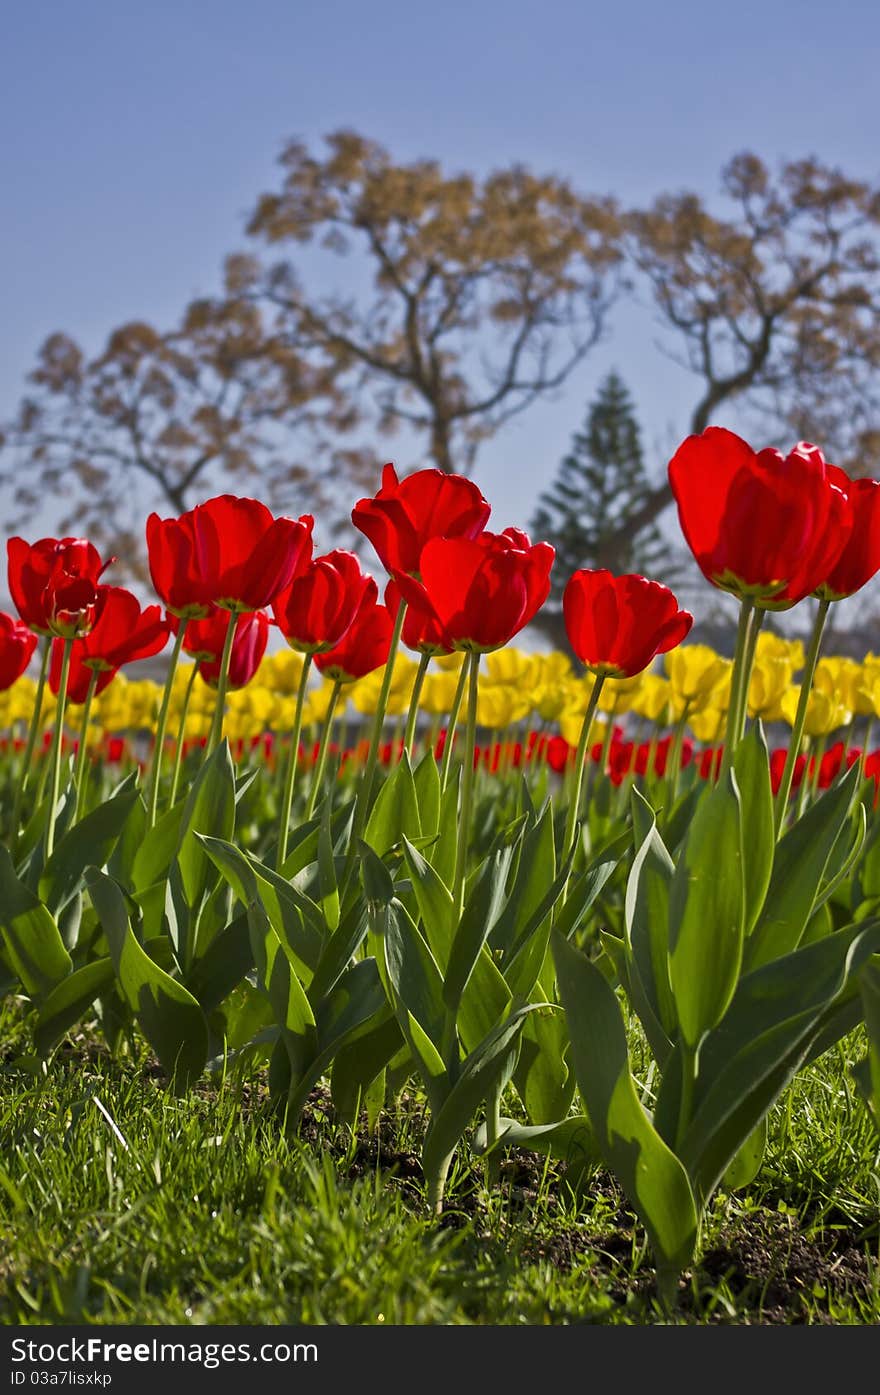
(355, 1004)
(356, 1066)
(158, 848)
(209, 809)
(650, 1173)
(291, 1007)
(746, 1164)
(89, 843)
(646, 920)
(767, 1034)
(413, 972)
(751, 766)
(535, 871)
(426, 782)
(435, 903)
(294, 917)
(799, 867)
(169, 1015)
(31, 939)
(867, 1072)
(395, 812)
(64, 1006)
(481, 911)
(571, 1140)
(706, 912)
(223, 965)
(480, 1074)
(542, 1076)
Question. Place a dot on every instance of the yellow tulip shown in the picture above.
(825, 714)
(694, 672)
(653, 698)
(438, 693)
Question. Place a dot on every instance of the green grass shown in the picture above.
(120, 1203)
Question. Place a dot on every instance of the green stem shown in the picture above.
(493, 1133)
(449, 743)
(31, 741)
(161, 725)
(55, 754)
(738, 679)
(290, 769)
(866, 744)
(467, 785)
(688, 1081)
(412, 715)
(674, 767)
(797, 730)
(318, 775)
(757, 620)
(181, 728)
(364, 794)
(222, 683)
(571, 821)
(79, 780)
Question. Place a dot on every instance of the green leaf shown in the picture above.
(650, 1173)
(801, 858)
(294, 918)
(535, 872)
(478, 918)
(646, 921)
(378, 882)
(706, 913)
(570, 1140)
(868, 1077)
(746, 1164)
(169, 1015)
(543, 1079)
(69, 1000)
(480, 1074)
(223, 965)
(441, 853)
(395, 812)
(89, 843)
(413, 972)
(31, 939)
(426, 782)
(329, 887)
(291, 1007)
(751, 766)
(766, 1035)
(209, 809)
(157, 851)
(435, 903)
(355, 1067)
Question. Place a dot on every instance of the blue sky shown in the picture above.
(136, 138)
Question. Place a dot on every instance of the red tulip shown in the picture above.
(42, 576)
(617, 624)
(422, 630)
(314, 612)
(122, 634)
(860, 558)
(229, 551)
(406, 514)
(767, 527)
(248, 648)
(481, 592)
(53, 584)
(777, 766)
(364, 647)
(17, 644)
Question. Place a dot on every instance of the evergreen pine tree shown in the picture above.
(599, 484)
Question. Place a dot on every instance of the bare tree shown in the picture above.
(465, 300)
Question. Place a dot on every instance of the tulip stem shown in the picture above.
(673, 769)
(472, 664)
(797, 730)
(161, 725)
(364, 794)
(739, 679)
(55, 754)
(31, 742)
(866, 741)
(181, 728)
(412, 715)
(320, 763)
(290, 768)
(79, 779)
(449, 741)
(574, 804)
(222, 682)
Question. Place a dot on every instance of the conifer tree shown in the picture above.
(598, 486)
